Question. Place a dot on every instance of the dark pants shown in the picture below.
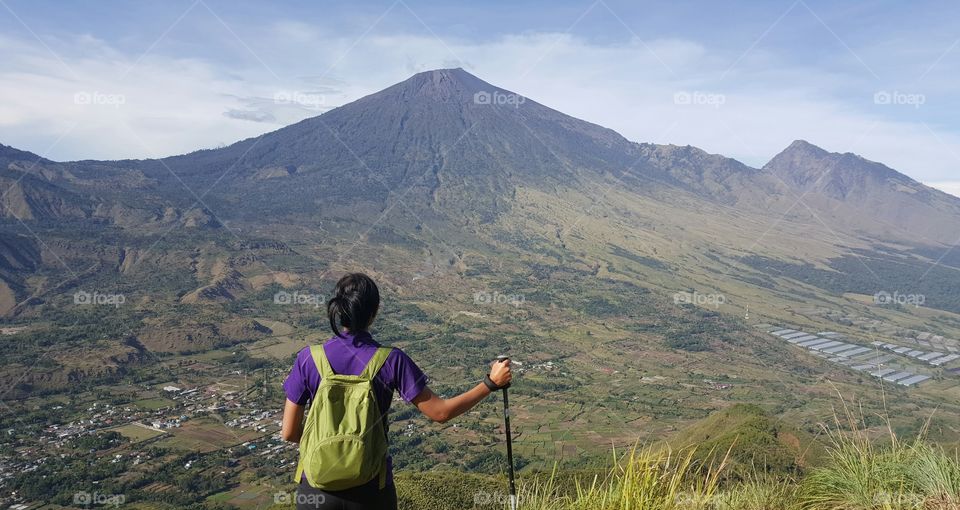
(364, 497)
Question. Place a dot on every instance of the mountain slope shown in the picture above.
(26, 197)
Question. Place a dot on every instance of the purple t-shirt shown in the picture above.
(349, 355)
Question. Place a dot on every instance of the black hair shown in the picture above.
(354, 304)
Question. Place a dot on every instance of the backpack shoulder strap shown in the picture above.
(320, 359)
(376, 362)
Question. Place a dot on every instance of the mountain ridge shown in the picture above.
(428, 162)
(339, 141)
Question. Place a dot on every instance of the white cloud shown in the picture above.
(113, 107)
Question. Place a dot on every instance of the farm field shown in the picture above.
(137, 432)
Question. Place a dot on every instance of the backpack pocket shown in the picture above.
(341, 462)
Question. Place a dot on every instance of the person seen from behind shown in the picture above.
(349, 382)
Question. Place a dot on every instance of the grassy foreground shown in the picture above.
(860, 471)
(860, 475)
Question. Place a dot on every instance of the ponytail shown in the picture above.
(354, 304)
(334, 310)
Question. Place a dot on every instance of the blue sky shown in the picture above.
(110, 80)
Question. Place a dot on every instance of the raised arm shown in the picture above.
(445, 409)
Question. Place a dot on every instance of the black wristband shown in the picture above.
(492, 386)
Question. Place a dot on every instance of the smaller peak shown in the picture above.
(803, 145)
(799, 150)
(804, 162)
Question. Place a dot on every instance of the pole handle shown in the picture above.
(501, 358)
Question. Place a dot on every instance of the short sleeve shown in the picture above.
(408, 379)
(295, 386)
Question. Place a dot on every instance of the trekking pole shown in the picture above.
(506, 426)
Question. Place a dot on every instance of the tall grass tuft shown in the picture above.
(539, 494)
(936, 475)
(888, 474)
(759, 492)
(643, 479)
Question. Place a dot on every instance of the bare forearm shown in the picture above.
(445, 409)
(465, 401)
(292, 436)
(291, 428)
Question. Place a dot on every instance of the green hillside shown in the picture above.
(753, 442)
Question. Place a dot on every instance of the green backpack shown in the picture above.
(344, 443)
